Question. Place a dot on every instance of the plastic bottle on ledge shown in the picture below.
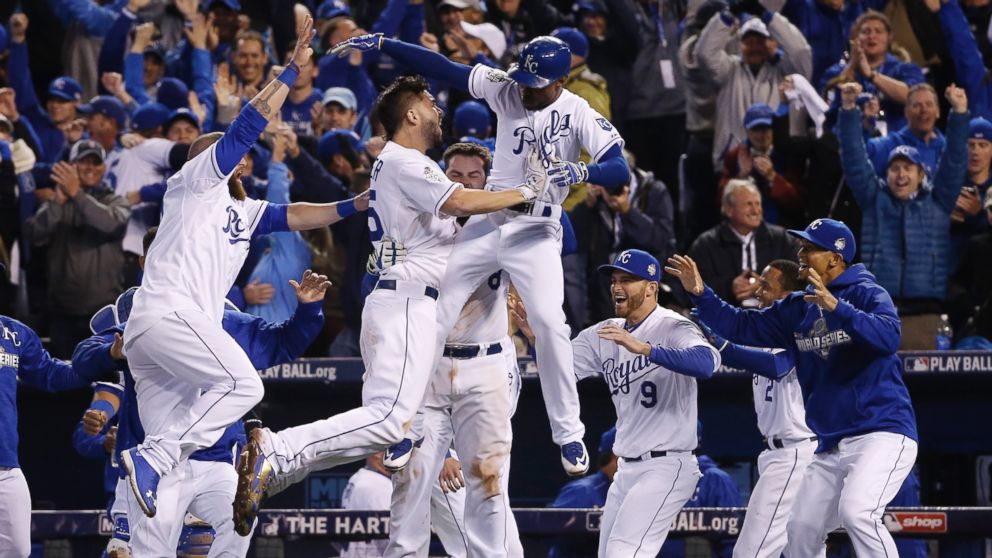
(944, 334)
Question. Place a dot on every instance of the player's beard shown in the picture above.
(633, 302)
(235, 187)
(433, 134)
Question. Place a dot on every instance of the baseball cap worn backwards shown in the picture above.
(635, 262)
(831, 235)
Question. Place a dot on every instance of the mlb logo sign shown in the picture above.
(917, 364)
(915, 522)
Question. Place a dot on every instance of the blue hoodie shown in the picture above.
(846, 360)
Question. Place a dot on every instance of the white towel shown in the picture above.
(811, 101)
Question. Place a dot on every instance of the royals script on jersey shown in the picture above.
(201, 244)
(656, 408)
(408, 190)
(559, 130)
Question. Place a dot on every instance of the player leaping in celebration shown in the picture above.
(192, 379)
(412, 203)
(843, 333)
(650, 358)
(533, 110)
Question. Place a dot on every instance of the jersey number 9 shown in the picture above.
(649, 392)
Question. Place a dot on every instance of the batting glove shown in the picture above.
(565, 173)
(385, 254)
(363, 43)
(535, 177)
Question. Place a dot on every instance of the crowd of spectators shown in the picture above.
(740, 119)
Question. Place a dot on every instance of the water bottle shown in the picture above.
(944, 334)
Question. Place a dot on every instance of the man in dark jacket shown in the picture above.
(731, 255)
(82, 225)
(843, 334)
(905, 236)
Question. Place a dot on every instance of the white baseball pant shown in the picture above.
(192, 380)
(849, 486)
(398, 335)
(642, 503)
(473, 400)
(15, 514)
(529, 250)
(203, 488)
(781, 473)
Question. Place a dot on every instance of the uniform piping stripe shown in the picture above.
(406, 353)
(777, 504)
(228, 372)
(444, 198)
(884, 486)
(663, 502)
(458, 521)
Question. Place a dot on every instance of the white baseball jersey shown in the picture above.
(367, 490)
(201, 245)
(780, 409)
(656, 408)
(139, 166)
(408, 190)
(484, 317)
(561, 130)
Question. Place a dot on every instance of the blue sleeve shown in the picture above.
(572, 496)
(877, 326)
(758, 328)
(909, 73)
(312, 181)
(178, 60)
(962, 46)
(858, 169)
(428, 63)
(237, 297)
(390, 19)
(115, 44)
(569, 244)
(40, 370)
(952, 169)
(368, 283)
(90, 447)
(691, 361)
(92, 355)
(19, 78)
(611, 169)
(202, 80)
(412, 26)
(268, 344)
(274, 219)
(134, 77)
(770, 364)
(95, 18)
(239, 138)
(484, 60)
(153, 193)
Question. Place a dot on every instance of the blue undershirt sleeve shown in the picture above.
(611, 170)
(430, 64)
(692, 361)
(239, 138)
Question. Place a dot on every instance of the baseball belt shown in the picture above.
(778, 443)
(653, 454)
(472, 351)
(406, 287)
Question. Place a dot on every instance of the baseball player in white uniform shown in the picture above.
(650, 358)
(412, 203)
(471, 397)
(534, 111)
(778, 404)
(192, 379)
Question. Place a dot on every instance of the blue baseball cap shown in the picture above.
(331, 9)
(173, 93)
(909, 153)
(831, 235)
(65, 88)
(980, 128)
(108, 106)
(155, 50)
(542, 61)
(330, 143)
(758, 114)
(182, 113)
(595, 6)
(342, 96)
(606, 440)
(471, 118)
(576, 41)
(149, 116)
(635, 262)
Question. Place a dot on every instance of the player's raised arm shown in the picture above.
(423, 61)
(465, 201)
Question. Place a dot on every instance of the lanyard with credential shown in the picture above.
(656, 10)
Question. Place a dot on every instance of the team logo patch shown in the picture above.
(497, 76)
(651, 269)
(433, 176)
(604, 124)
(840, 244)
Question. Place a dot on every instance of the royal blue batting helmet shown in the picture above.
(542, 61)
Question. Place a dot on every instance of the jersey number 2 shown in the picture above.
(649, 392)
(768, 391)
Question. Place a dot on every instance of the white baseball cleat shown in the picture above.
(575, 458)
(398, 455)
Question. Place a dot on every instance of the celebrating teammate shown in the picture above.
(192, 379)
(843, 333)
(778, 402)
(650, 358)
(411, 204)
(534, 111)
